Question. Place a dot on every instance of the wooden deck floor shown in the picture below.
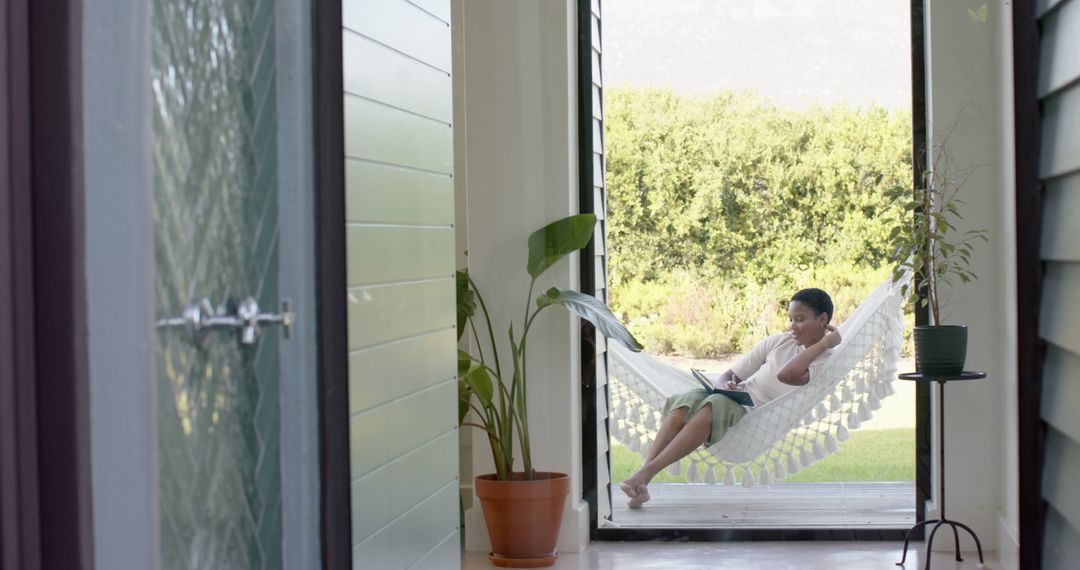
(791, 505)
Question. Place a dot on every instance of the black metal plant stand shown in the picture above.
(941, 380)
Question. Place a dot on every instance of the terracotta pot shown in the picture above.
(523, 517)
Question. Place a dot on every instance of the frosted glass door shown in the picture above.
(216, 214)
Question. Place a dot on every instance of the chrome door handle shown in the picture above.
(251, 320)
(199, 319)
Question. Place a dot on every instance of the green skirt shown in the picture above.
(725, 411)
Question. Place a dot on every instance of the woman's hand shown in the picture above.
(797, 370)
(729, 381)
(832, 338)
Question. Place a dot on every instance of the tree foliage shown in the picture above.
(926, 239)
(730, 189)
(732, 184)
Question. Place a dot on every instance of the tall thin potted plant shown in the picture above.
(522, 506)
(927, 243)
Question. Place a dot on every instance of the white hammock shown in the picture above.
(786, 434)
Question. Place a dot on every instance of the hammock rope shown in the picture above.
(785, 435)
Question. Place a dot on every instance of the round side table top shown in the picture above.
(920, 377)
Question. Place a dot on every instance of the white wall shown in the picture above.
(517, 111)
(969, 82)
(1008, 528)
(461, 219)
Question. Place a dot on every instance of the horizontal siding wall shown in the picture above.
(400, 283)
(599, 190)
(1059, 167)
(1062, 543)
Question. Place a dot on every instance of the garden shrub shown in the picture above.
(722, 206)
(699, 317)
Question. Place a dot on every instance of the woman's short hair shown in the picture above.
(818, 300)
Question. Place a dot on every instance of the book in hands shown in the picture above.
(740, 397)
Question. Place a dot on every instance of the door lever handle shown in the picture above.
(199, 319)
(251, 320)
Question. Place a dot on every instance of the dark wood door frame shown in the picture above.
(60, 319)
(19, 511)
(919, 141)
(45, 492)
(1031, 434)
(330, 284)
(590, 482)
(45, 506)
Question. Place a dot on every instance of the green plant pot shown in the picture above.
(940, 350)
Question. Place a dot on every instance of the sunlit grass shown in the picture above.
(872, 455)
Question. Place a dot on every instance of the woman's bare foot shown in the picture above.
(636, 489)
(640, 498)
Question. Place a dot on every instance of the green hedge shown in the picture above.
(721, 206)
(683, 314)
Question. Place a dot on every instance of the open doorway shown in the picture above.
(744, 150)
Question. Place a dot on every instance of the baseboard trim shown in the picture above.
(574, 534)
(476, 534)
(1008, 545)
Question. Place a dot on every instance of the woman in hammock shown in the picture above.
(774, 367)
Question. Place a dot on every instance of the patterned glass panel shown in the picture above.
(216, 230)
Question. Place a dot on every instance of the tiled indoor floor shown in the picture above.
(743, 555)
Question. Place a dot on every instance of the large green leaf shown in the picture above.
(464, 361)
(466, 301)
(476, 377)
(591, 309)
(463, 395)
(554, 241)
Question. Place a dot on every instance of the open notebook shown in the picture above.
(739, 396)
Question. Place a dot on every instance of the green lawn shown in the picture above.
(872, 455)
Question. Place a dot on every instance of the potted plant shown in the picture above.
(522, 506)
(927, 243)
